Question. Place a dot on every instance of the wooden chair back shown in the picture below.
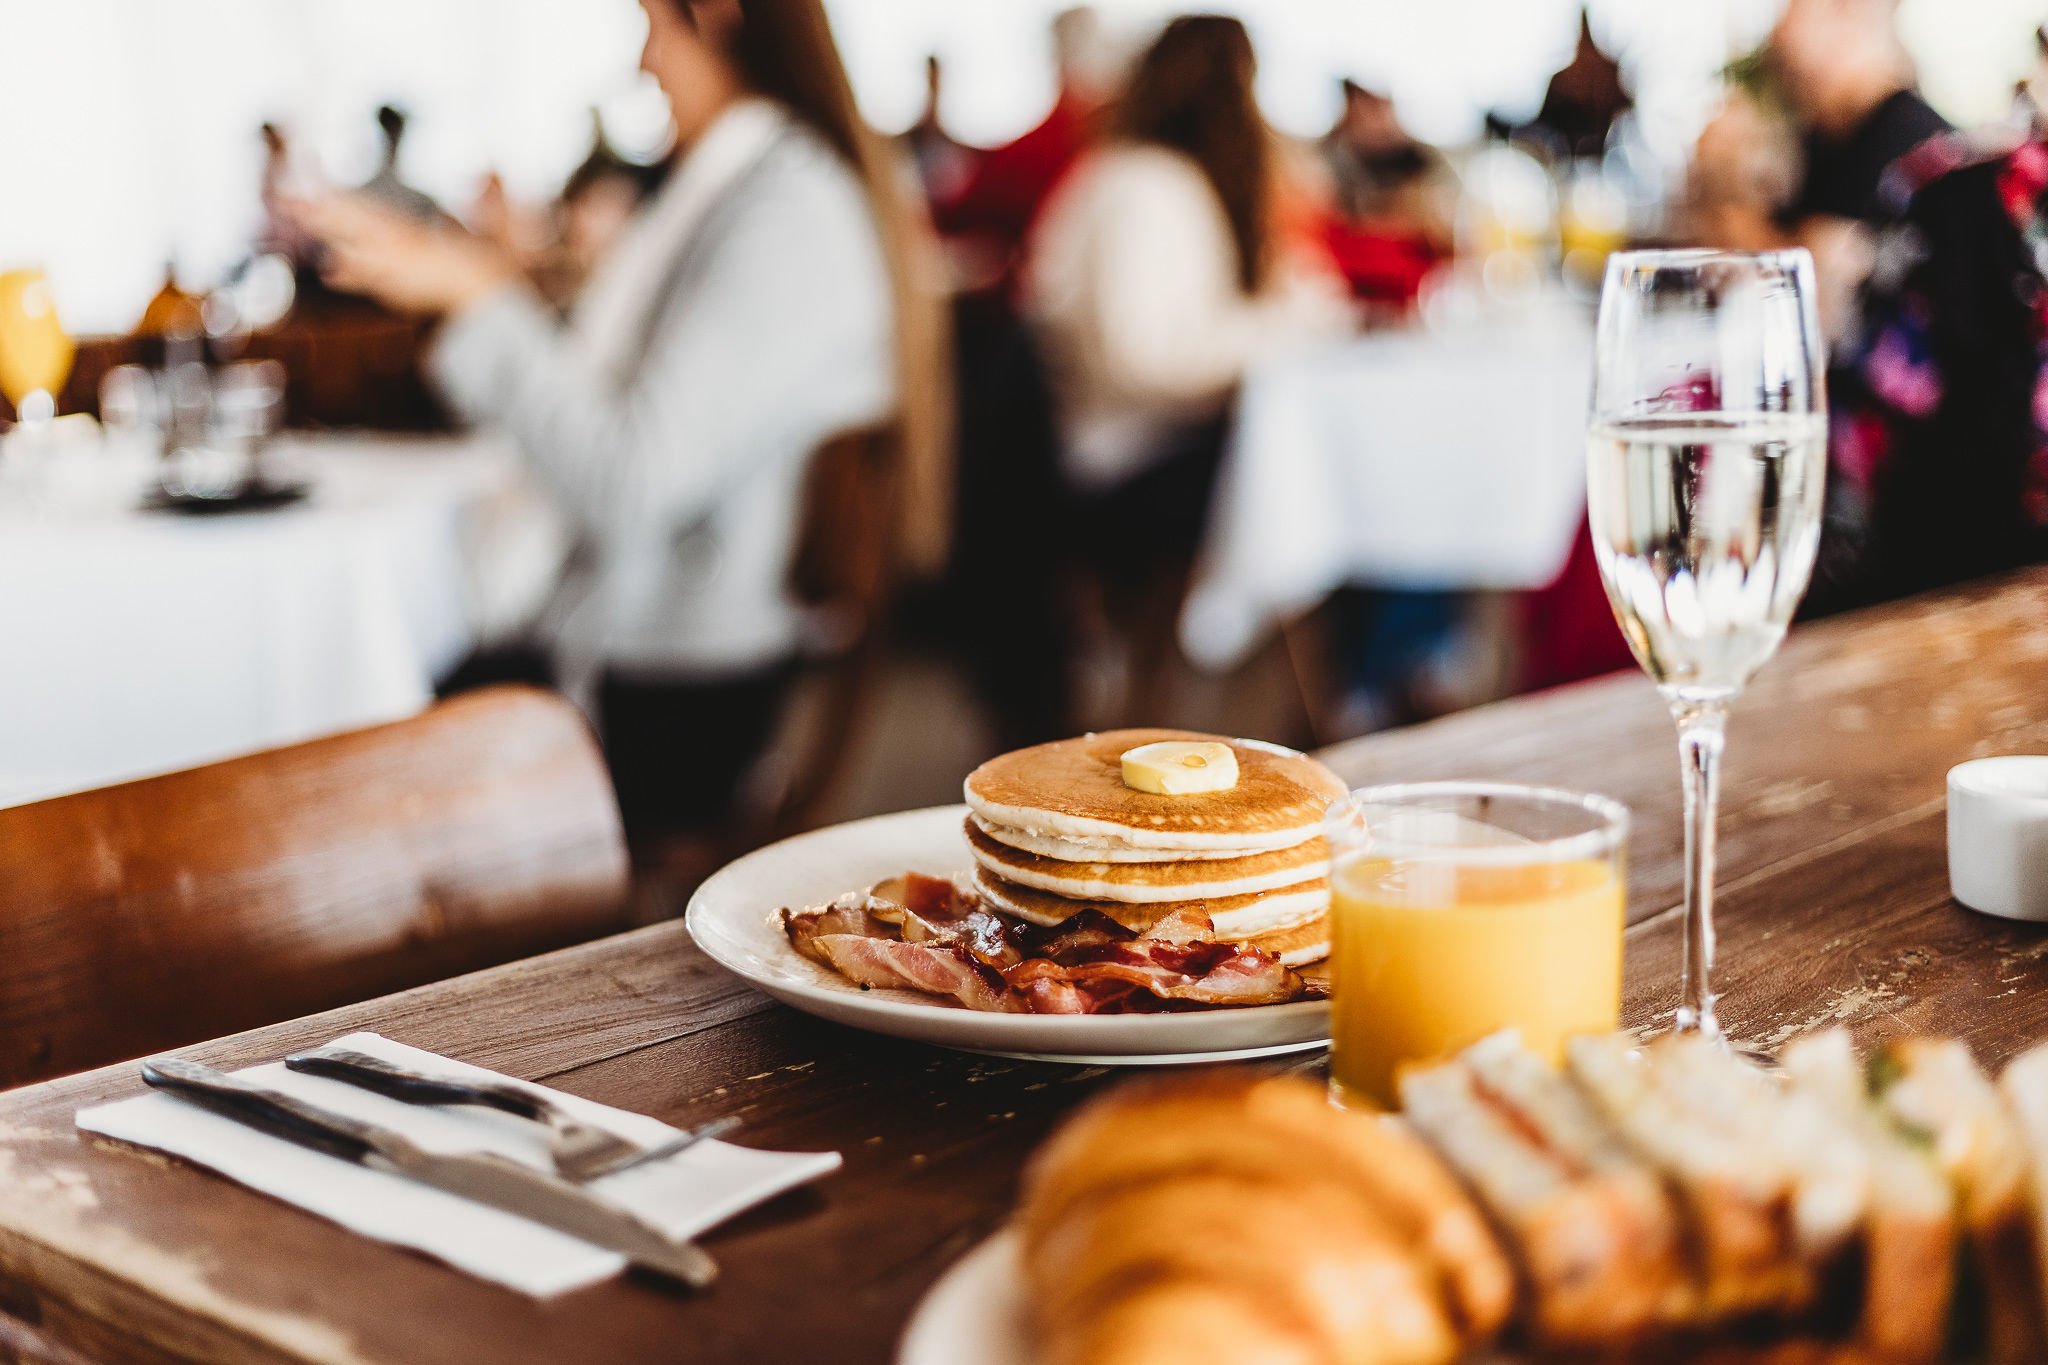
(144, 916)
(844, 556)
(845, 567)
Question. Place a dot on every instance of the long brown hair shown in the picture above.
(783, 49)
(1192, 92)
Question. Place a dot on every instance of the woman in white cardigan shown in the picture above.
(1156, 277)
(748, 316)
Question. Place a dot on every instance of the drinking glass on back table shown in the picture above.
(248, 403)
(1706, 454)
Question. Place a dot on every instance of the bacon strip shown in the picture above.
(928, 935)
(852, 914)
(930, 968)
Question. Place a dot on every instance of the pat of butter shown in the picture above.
(1178, 767)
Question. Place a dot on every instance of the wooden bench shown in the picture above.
(147, 915)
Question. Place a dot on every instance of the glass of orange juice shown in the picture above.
(35, 350)
(1458, 909)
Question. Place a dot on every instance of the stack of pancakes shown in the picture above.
(1055, 831)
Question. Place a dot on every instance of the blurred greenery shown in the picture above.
(1756, 75)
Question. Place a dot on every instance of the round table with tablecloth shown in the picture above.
(1441, 459)
(144, 641)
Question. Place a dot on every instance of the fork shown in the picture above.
(581, 1151)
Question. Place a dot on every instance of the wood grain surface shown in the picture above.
(1834, 910)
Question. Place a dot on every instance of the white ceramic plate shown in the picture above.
(974, 1315)
(733, 917)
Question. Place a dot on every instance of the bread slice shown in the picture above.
(1934, 1091)
(1176, 1321)
(1340, 1233)
(1910, 1233)
(1323, 1276)
(1792, 1351)
(1771, 1186)
(1594, 1230)
(1410, 1190)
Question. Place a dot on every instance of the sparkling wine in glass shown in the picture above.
(1706, 456)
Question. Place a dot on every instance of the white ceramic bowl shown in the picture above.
(1998, 836)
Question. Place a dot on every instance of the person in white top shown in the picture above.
(1156, 275)
(751, 313)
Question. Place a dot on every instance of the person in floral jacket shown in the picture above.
(1939, 396)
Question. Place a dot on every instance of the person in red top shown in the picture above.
(992, 213)
(1384, 226)
(1008, 484)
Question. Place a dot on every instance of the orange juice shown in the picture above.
(35, 350)
(1429, 956)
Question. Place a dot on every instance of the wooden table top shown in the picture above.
(1834, 909)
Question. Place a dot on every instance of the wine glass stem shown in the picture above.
(1702, 727)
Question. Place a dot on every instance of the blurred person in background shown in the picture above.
(1845, 75)
(279, 232)
(1838, 73)
(1375, 165)
(764, 301)
(989, 217)
(595, 210)
(1743, 175)
(1851, 88)
(562, 243)
(387, 185)
(1389, 223)
(1157, 275)
(1938, 396)
(1009, 488)
(943, 161)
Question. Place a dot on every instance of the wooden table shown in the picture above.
(1835, 909)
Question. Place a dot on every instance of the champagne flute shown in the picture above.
(1706, 454)
(35, 350)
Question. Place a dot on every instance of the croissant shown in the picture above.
(1247, 1221)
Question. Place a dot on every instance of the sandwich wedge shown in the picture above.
(1771, 1185)
(1933, 1089)
(1910, 1233)
(1595, 1232)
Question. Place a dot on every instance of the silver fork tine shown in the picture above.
(572, 1142)
(581, 1151)
(680, 1142)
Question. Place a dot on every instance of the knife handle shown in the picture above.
(253, 1104)
(414, 1087)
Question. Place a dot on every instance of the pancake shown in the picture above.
(1073, 789)
(1151, 883)
(1082, 851)
(1302, 944)
(1237, 918)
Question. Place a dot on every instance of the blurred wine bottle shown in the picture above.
(172, 331)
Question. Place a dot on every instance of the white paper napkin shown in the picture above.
(684, 1195)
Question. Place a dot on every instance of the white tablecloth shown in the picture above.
(137, 643)
(1431, 460)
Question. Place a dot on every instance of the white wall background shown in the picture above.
(127, 127)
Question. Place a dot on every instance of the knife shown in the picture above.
(480, 1176)
(582, 1151)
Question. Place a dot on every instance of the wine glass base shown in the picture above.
(36, 407)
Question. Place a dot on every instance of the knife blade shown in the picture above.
(480, 1176)
(582, 1151)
